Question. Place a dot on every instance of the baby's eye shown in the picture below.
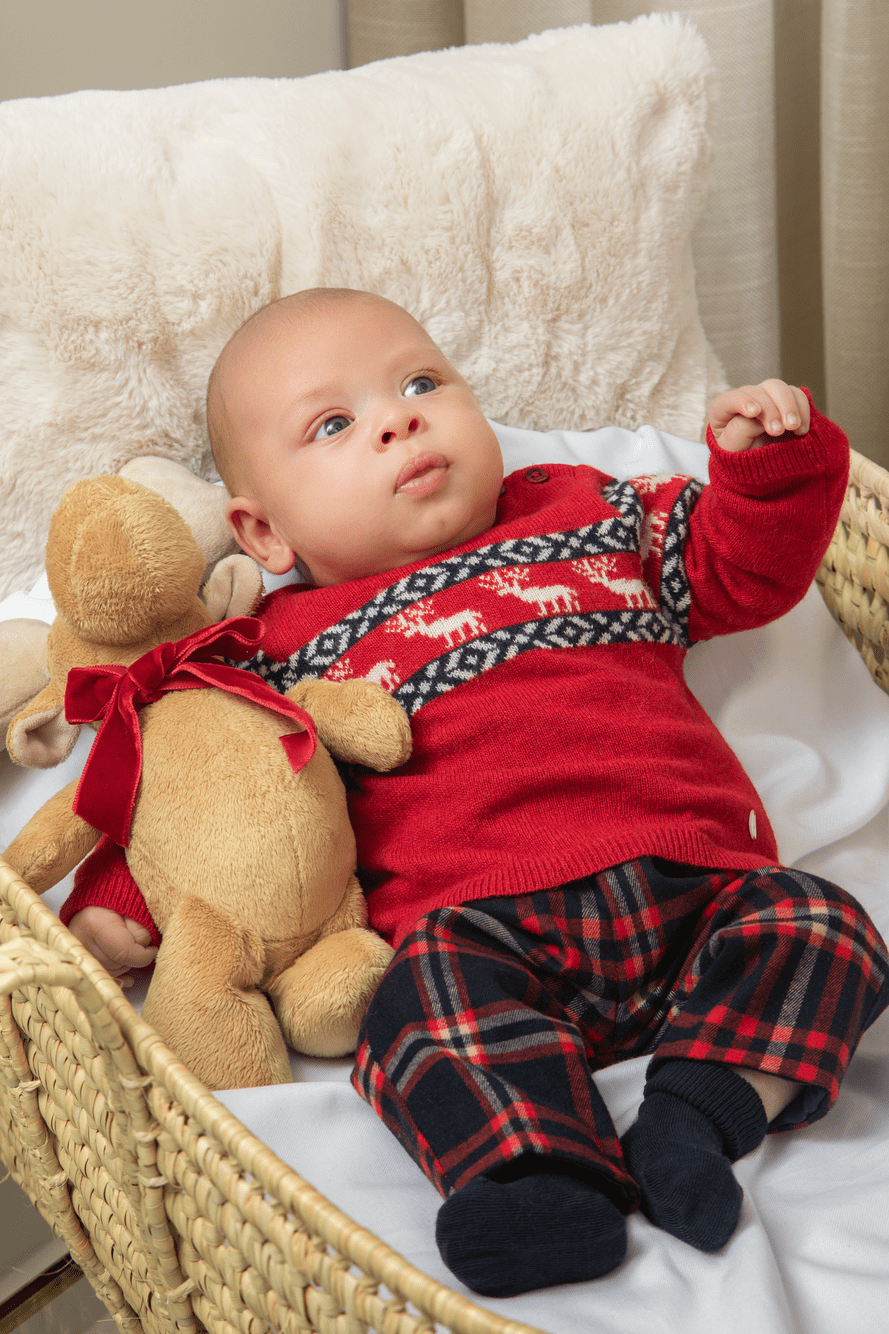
(420, 384)
(330, 427)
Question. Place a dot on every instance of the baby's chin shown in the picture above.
(457, 539)
(406, 549)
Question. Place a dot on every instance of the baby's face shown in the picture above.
(362, 448)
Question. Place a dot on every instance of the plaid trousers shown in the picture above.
(480, 1042)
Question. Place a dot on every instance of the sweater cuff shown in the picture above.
(103, 880)
(823, 449)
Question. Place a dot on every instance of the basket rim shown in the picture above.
(873, 476)
(375, 1258)
(867, 497)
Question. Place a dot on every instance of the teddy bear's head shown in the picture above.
(120, 561)
(125, 573)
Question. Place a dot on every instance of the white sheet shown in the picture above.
(811, 1254)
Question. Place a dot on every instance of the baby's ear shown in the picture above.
(255, 535)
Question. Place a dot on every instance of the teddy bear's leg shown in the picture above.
(321, 998)
(203, 1000)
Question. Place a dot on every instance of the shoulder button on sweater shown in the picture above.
(536, 475)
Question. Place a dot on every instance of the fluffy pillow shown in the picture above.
(531, 204)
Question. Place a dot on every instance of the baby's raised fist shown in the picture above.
(753, 415)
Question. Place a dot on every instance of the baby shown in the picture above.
(573, 867)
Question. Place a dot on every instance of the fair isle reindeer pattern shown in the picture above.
(384, 673)
(654, 521)
(620, 580)
(422, 619)
(606, 571)
(549, 599)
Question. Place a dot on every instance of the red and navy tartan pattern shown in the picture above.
(481, 1040)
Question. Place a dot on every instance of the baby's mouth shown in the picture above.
(422, 474)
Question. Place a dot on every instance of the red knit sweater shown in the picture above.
(542, 665)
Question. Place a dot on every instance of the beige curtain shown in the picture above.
(792, 257)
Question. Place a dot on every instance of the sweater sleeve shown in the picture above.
(759, 530)
(103, 880)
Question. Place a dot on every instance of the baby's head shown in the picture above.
(347, 441)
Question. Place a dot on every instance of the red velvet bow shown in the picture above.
(108, 785)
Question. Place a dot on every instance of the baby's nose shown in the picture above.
(413, 425)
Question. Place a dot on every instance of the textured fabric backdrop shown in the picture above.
(793, 256)
(531, 204)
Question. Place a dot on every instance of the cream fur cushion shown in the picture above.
(531, 204)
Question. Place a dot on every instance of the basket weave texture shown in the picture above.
(181, 1218)
(854, 575)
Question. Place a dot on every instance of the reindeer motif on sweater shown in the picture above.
(618, 578)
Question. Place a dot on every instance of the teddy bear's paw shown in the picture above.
(321, 998)
(387, 724)
(358, 721)
(25, 673)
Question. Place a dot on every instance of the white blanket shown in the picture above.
(811, 1254)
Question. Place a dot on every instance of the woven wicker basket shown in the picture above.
(183, 1220)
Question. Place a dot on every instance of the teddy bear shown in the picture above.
(224, 793)
(235, 589)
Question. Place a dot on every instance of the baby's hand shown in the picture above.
(752, 416)
(117, 942)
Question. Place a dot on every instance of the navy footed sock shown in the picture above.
(505, 1237)
(696, 1119)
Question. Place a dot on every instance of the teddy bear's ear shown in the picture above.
(234, 588)
(201, 504)
(40, 737)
